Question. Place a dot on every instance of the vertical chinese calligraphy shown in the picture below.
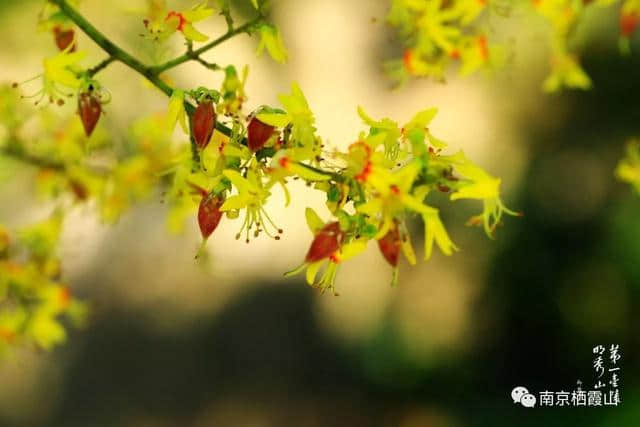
(606, 389)
(607, 366)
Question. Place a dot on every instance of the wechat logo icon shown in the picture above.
(522, 396)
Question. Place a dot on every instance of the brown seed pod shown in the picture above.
(203, 123)
(390, 246)
(209, 214)
(64, 38)
(89, 109)
(325, 243)
(258, 133)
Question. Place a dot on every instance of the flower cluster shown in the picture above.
(225, 164)
(32, 297)
(438, 32)
(373, 189)
(163, 23)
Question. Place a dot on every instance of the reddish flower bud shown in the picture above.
(79, 189)
(258, 133)
(203, 122)
(89, 109)
(390, 246)
(209, 214)
(629, 23)
(64, 38)
(325, 243)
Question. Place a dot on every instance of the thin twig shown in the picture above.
(102, 65)
(193, 54)
(210, 65)
(226, 12)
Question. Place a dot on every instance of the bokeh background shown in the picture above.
(229, 342)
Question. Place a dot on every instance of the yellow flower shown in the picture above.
(199, 12)
(479, 185)
(252, 196)
(60, 70)
(300, 117)
(163, 24)
(392, 198)
(327, 280)
(566, 71)
(271, 40)
(327, 250)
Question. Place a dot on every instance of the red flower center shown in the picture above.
(407, 60)
(284, 162)
(366, 170)
(181, 19)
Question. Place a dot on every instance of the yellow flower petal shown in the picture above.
(176, 111)
(235, 202)
(407, 250)
(191, 33)
(434, 231)
(352, 249)
(313, 220)
(198, 13)
(312, 271)
(241, 183)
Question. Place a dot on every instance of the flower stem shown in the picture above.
(195, 54)
(102, 65)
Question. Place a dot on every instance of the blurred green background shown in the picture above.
(231, 343)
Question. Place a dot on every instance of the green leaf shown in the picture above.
(334, 194)
(369, 231)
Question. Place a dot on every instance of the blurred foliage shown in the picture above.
(628, 169)
(438, 32)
